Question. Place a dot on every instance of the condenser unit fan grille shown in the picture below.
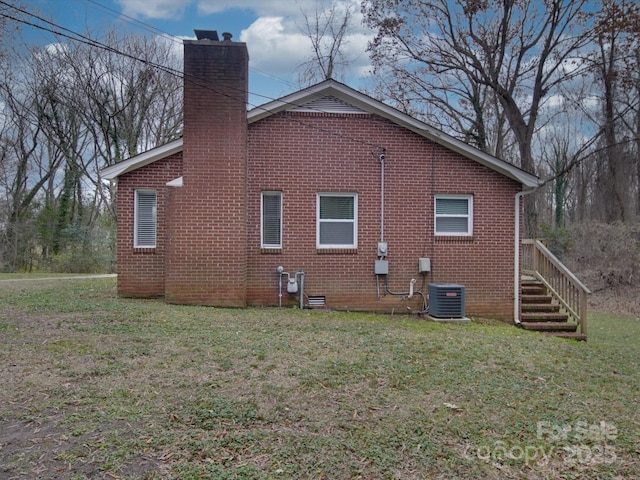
(446, 300)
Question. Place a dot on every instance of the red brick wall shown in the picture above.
(141, 271)
(295, 153)
(206, 260)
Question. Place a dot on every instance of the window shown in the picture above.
(144, 235)
(454, 215)
(337, 225)
(271, 223)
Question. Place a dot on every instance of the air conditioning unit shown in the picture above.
(446, 300)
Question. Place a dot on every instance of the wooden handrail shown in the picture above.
(563, 285)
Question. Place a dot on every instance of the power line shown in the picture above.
(75, 36)
(170, 37)
(135, 21)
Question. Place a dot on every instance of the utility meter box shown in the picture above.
(424, 265)
(382, 267)
(383, 250)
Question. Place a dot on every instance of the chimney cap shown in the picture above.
(207, 35)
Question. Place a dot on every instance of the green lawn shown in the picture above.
(95, 386)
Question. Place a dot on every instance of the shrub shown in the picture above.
(605, 255)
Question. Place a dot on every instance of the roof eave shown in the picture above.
(357, 99)
(114, 171)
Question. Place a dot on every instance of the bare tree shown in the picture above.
(69, 110)
(613, 64)
(117, 101)
(327, 29)
(514, 49)
(627, 20)
(24, 168)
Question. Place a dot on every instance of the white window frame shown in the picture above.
(136, 219)
(468, 216)
(353, 221)
(263, 244)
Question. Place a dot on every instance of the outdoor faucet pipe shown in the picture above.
(411, 284)
(411, 292)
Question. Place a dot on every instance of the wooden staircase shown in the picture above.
(552, 299)
(541, 313)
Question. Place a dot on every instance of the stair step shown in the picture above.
(571, 335)
(541, 307)
(544, 317)
(533, 290)
(540, 313)
(549, 326)
(536, 299)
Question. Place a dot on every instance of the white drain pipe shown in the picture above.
(516, 257)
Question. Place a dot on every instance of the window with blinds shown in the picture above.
(337, 215)
(145, 219)
(454, 215)
(271, 223)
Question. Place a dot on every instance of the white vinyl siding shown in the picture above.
(454, 215)
(145, 218)
(271, 220)
(337, 220)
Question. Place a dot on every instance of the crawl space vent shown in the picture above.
(315, 301)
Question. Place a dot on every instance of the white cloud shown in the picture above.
(55, 49)
(592, 103)
(274, 46)
(154, 9)
(262, 8)
(555, 101)
(175, 8)
(277, 46)
(571, 66)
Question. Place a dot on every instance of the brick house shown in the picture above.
(360, 204)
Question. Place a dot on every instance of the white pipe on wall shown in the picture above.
(516, 257)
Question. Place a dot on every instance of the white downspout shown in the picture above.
(516, 257)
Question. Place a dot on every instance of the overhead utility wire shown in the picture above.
(195, 80)
(78, 37)
(132, 20)
(169, 36)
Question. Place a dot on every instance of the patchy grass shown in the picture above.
(95, 386)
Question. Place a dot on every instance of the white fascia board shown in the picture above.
(371, 105)
(114, 171)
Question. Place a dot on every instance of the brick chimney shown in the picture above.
(206, 260)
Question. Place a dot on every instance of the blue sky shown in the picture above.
(271, 29)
